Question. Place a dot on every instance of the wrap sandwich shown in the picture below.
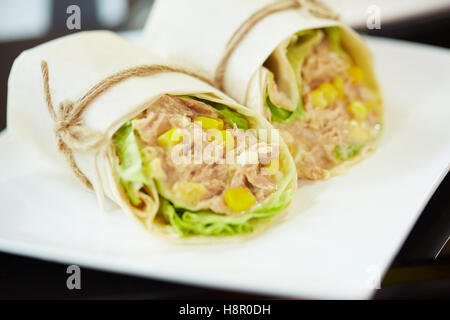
(292, 61)
(168, 148)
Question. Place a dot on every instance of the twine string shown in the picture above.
(314, 7)
(70, 130)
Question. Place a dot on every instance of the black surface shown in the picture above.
(25, 278)
(415, 273)
(431, 231)
(433, 29)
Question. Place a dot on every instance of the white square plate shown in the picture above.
(341, 236)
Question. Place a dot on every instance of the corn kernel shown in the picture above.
(156, 169)
(222, 136)
(358, 110)
(170, 138)
(209, 123)
(239, 199)
(338, 83)
(356, 73)
(229, 140)
(318, 99)
(291, 149)
(272, 167)
(329, 92)
(190, 191)
(357, 132)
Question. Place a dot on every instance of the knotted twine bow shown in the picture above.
(71, 132)
(314, 7)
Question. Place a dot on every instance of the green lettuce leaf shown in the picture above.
(281, 115)
(346, 151)
(231, 117)
(131, 169)
(208, 223)
(204, 223)
(296, 54)
(334, 35)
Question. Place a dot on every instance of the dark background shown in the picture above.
(420, 270)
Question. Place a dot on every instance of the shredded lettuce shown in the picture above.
(296, 54)
(208, 223)
(346, 151)
(281, 115)
(334, 35)
(134, 173)
(204, 222)
(230, 117)
(131, 169)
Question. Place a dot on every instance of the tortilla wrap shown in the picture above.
(260, 49)
(78, 99)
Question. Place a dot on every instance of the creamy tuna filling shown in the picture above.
(339, 113)
(201, 183)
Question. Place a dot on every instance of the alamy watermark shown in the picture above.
(373, 20)
(73, 21)
(232, 146)
(74, 280)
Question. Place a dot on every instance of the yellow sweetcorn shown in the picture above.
(356, 73)
(239, 199)
(318, 99)
(291, 148)
(223, 137)
(191, 191)
(324, 95)
(338, 83)
(357, 132)
(358, 110)
(370, 106)
(156, 169)
(330, 93)
(170, 138)
(210, 123)
(215, 135)
(272, 167)
(229, 140)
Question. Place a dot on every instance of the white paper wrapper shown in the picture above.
(75, 64)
